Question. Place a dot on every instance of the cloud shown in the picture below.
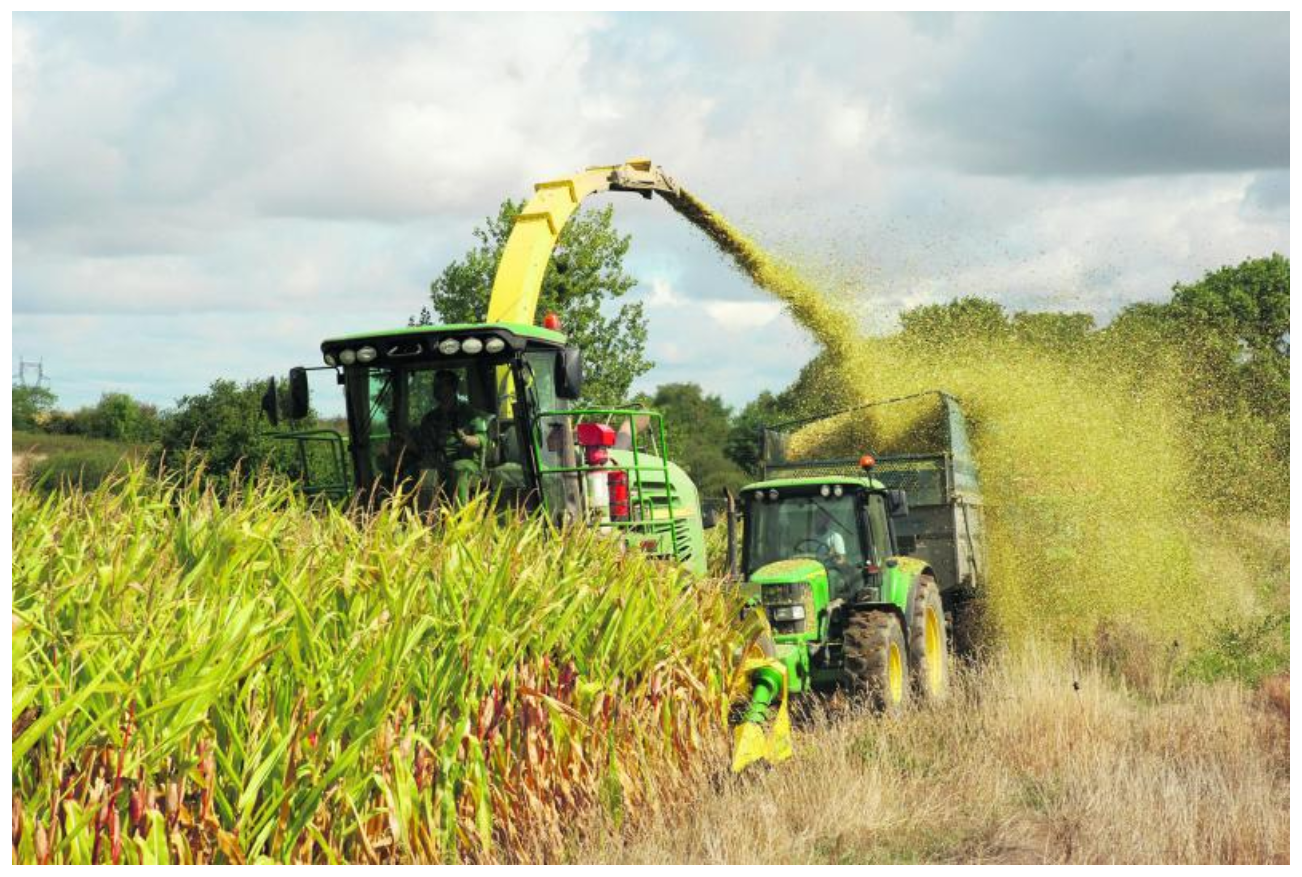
(1090, 94)
(196, 180)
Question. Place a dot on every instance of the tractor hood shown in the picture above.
(796, 569)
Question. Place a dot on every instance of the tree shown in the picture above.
(227, 426)
(961, 321)
(31, 404)
(743, 445)
(1053, 332)
(584, 279)
(119, 417)
(697, 428)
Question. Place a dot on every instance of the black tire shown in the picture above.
(876, 660)
(929, 642)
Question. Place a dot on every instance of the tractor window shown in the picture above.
(555, 437)
(803, 526)
(878, 530)
(412, 432)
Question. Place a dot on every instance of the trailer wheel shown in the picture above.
(876, 660)
(929, 642)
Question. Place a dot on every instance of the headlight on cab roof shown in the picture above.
(366, 354)
(347, 356)
(472, 346)
(449, 346)
(330, 360)
(494, 345)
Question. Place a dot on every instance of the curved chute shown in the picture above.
(518, 281)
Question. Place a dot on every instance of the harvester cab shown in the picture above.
(859, 561)
(495, 407)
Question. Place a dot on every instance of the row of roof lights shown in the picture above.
(448, 347)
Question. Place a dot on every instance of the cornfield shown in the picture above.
(241, 675)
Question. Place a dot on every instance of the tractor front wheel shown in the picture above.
(928, 642)
(876, 660)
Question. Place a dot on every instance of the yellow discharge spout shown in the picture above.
(519, 277)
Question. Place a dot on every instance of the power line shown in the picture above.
(37, 368)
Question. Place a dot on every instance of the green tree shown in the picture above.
(31, 404)
(1054, 332)
(227, 427)
(743, 445)
(119, 417)
(697, 428)
(1243, 313)
(582, 285)
(960, 321)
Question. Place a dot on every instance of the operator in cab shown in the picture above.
(829, 536)
(450, 440)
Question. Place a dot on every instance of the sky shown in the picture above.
(205, 196)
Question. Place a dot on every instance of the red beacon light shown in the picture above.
(553, 322)
(595, 438)
(867, 461)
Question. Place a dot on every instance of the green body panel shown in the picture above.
(682, 534)
(533, 333)
(898, 577)
(793, 648)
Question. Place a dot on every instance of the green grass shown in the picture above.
(53, 462)
(47, 444)
(237, 675)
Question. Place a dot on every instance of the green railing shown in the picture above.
(644, 466)
(335, 483)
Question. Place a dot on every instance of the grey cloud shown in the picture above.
(1080, 95)
(1268, 193)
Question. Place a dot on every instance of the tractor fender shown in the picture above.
(900, 578)
(883, 607)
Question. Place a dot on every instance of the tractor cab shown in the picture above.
(810, 545)
(430, 404)
(492, 408)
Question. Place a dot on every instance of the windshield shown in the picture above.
(450, 426)
(825, 528)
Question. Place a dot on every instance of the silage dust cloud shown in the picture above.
(1087, 473)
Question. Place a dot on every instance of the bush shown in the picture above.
(31, 405)
(227, 428)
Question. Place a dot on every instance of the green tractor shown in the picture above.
(861, 563)
(521, 438)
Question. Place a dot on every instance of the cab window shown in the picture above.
(877, 529)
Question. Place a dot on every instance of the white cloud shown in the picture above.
(315, 172)
(742, 316)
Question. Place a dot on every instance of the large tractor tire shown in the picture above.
(929, 642)
(877, 660)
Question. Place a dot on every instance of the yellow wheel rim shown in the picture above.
(895, 673)
(935, 656)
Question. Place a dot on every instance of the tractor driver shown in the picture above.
(451, 438)
(834, 542)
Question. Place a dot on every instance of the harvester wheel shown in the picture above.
(929, 642)
(876, 659)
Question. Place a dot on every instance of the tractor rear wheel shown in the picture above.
(876, 659)
(929, 642)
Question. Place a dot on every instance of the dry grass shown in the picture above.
(1030, 761)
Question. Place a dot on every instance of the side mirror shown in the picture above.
(709, 517)
(298, 395)
(269, 406)
(898, 503)
(569, 373)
